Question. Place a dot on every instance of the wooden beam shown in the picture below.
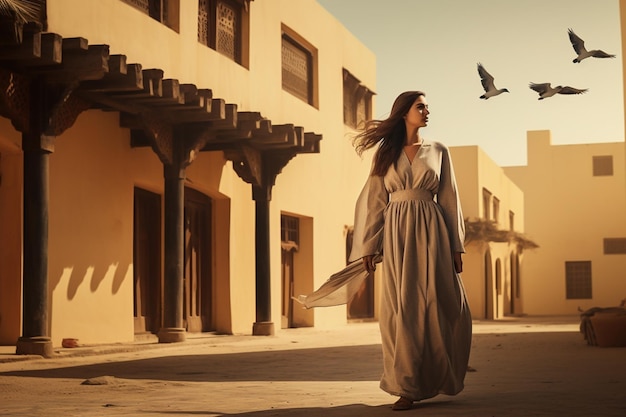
(115, 82)
(77, 64)
(51, 49)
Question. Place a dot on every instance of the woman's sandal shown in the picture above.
(403, 403)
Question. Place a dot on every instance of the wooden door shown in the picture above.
(287, 288)
(197, 280)
(147, 261)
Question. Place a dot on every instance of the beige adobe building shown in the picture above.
(175, 166)
(575, 200)
(493, 207)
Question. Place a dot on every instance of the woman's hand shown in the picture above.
(368, 263)
(458, 262)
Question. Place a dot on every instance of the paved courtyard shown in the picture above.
(518, 367)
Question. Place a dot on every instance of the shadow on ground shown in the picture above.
(284, 365)
(350, 410)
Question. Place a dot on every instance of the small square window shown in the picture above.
(578, 280)
(614, 246)
(602, 165)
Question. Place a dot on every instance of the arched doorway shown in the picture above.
(516, 307)
(489, 286)
(498, 298)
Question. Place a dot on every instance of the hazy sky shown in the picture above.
(434, 46)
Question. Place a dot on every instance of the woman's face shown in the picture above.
(417, 116)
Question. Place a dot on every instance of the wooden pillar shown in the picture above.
(173, 330)
(35, 338)
(260, 167)
(263, 325)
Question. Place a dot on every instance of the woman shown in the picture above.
(409, 215)
(409, 210)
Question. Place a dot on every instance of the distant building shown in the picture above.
(493, 207)
(574, 205)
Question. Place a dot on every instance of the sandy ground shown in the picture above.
(519, 367)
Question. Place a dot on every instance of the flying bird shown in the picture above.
(487, 80)
(545, 90)
(579, 47)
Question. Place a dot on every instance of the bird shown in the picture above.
(546, 90)
(579, 47)
(487, 80)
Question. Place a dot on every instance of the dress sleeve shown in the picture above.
(369, 219)
(448, 199)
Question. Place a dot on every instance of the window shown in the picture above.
(578, 280)
(511, 221)
(496, 209)
(164, 11)
(299, 67)
(289, 229)
(357, 101)
(602, 165)
(223, 25)
(614, 246)
(486, 204)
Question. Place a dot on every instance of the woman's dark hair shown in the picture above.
(390, 133)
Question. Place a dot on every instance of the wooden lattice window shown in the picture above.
(299, 67)
(164, 11)
(578, 280)
(223, 25)
(357, 101)
(602, 165)
(296, 69)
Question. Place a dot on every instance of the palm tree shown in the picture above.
(22, 10)
(481, 230)
(16, 13)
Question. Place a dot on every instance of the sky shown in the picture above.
(435, 45)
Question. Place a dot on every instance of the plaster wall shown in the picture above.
(569, 213)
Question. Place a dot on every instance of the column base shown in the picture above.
(39, 345)
(171, 335)
(263, 328)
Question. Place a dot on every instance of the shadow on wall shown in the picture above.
(91, 274)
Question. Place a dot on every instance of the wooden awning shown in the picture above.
(82, 76)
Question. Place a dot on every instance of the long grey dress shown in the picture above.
(425, 322)
(412, 216)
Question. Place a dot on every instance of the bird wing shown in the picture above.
(571, 90)
(577, 43)
(540, 88)
(601, 54)
(485, 78)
